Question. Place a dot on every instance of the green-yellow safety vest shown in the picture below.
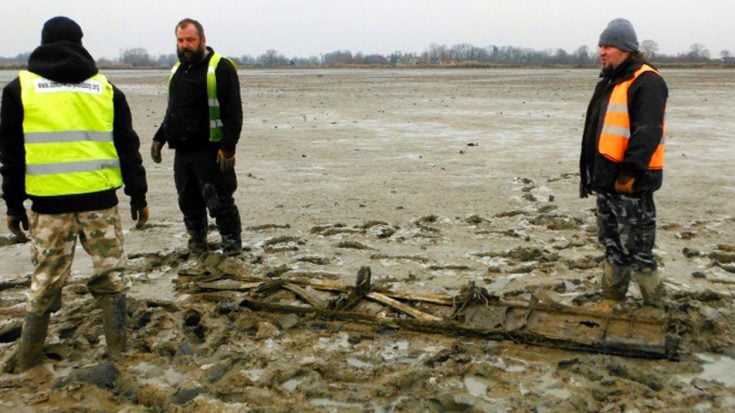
(67, 130)
(215, 121)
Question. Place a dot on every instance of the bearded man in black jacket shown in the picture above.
(202, 123)
(622, 162)
(67, 143)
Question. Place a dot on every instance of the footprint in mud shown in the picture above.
(193, 324)
(357, 245)
(282, 243)
(265, 227)
(557, 222)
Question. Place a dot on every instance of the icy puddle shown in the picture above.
(716, 368)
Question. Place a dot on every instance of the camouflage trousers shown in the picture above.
(626, 227)
(53, 241)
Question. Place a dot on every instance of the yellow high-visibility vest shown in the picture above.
(215, 120)
(616, 125)
(68, 138)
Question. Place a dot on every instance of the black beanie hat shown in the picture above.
(61, 28)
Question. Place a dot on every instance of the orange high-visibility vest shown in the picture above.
(616, 125)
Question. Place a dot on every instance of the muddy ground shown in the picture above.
(433, 178)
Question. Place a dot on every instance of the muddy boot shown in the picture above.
(113, 322)
(197, 242)
(652, 289)
(231, 245)
(615, 281)
(32, 339)
(55, 305)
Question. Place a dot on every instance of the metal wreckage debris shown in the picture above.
(473, 312)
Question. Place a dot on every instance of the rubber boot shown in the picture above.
(615, 281)
(652, 289)
(113, 322)
(197, 242)
(32, 339)
(231, 245)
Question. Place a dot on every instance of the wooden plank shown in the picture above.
(404, 308)
(227, 285)
(306, 295)
(668, 349)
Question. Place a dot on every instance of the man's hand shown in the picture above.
(584, 192)
(140, 216)
(156, 151)
(225, 160)
(211, 199)
(14, 224)
(624, 184)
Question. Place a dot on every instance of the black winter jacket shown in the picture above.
(646, 103)
(66, 62)
(186, 124)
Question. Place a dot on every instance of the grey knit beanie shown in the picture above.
(619, 33)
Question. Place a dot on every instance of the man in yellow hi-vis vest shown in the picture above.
(67, 143)
(202, 123)
(622, 162)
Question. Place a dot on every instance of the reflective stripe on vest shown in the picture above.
(616, 125)
(215, 121)
(67, 131)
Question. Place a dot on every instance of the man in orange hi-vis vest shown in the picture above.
(622, 162)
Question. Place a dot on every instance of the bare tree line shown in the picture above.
(463, 54)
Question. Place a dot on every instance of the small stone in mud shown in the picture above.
(192, 318)
(227, 306)
(314, 259)
(474, 219)
(690, 252)
(565, 364)
(267, 330)
(318, 325)
(699, 274)
(274, 272)
(184, 396)
(288, 321)
(353, 245)
(494, 269)
(382, 231)
(103, 375)
(722, 257)
(546, 208)
(529, 197)
(686, 234)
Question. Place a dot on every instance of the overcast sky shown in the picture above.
(311, 27)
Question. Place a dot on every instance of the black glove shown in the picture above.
(156, 151)
(210, 197)
(584, 192)
(15, 222)
(225, 160)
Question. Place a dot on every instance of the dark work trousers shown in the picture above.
(626, 227)
(192, 172)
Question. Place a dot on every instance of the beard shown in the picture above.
(190, 55)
